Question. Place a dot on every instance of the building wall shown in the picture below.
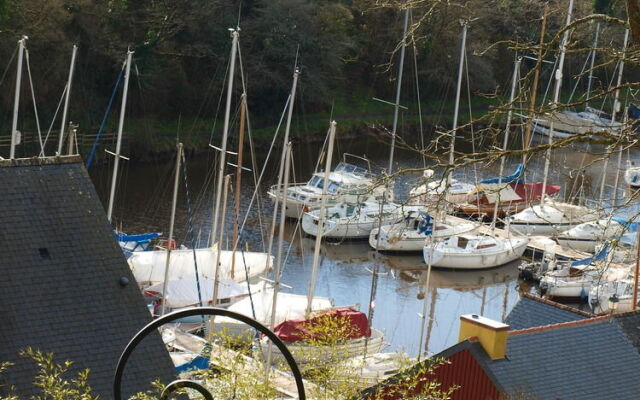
(461, 370)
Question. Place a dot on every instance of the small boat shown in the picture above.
(314, 348)
(569, 282)
(435, 191)
(289, 307)
(585, 237)
(511, 194)
(550, 218)
(574, 280)
(568, 123)
(347, 183)
(410, 234)
(474, 251)
(352, 220)
(603, 295)
(138, 242)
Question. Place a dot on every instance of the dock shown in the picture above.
(537, 244)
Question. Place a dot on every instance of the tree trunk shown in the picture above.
(633, 9)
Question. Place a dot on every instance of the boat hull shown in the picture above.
(459, 260)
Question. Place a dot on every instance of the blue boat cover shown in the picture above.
(634, 111)
(198, 363)
(598, 257)
(426, 226)
(507, 179)
(140, 238)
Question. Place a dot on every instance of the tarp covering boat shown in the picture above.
(148, 266)
(184, 292)
(137, 242)
(506, 179)
(355, 325)
(598, 257)
(533, 191)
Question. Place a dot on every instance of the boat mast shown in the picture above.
(505, 142)
(123, 108)
(634, 306)
(457, 104)
(174, 202)
(225, 134)
(16, 100)
(556, 98)
(534, 88)
(403, 47)
(66, 100)
(614, 112)
(279, 254)
(283, 194)
(323, 204)
(243, 108)
(593, 60)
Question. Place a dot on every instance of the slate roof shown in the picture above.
(59, 280)
(533, 311)
(588, 359)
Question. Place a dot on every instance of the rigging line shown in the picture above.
(264, 168)
(415, 69)
(579, 76)
(254, 162)
(104, 120)
(190, 225)
(473, 135)
(4, 74)
(44, 143)
(33, 97)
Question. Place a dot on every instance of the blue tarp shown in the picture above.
(598, 257)
(142, 237)
(509, 178)
(629, 226)
(199, 362)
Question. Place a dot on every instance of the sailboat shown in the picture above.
(586, 237)
(474, 251)
(470, 251)
(566, 123)
(410, 234)
(552, 216)
(351, 220)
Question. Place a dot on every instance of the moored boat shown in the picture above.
(474, 251)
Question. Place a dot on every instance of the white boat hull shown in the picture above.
(450, 258)
(404, 240)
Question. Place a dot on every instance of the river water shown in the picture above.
(345, 275)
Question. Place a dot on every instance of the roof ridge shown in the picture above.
(36, 161)
(559, 325)
(558, 305)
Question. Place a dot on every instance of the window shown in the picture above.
(333, 187)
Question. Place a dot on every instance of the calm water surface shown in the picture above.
(143, 204)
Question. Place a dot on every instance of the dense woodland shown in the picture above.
(345, 48)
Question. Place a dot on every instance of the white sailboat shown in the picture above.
(474, 251)
(410, 234)
(603, 295)
(587, 236)
(351, 220)
(551, 218)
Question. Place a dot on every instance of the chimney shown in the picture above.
(491, 334)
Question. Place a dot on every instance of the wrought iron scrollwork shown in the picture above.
(184, 383)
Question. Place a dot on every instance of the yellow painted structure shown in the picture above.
(491, 334)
